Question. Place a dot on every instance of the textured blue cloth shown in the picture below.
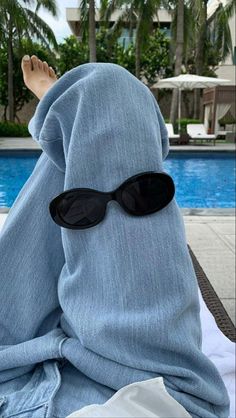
(117, 302)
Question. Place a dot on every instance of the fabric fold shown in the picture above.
(31, 258)
(33, 351)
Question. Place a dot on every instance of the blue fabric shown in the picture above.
(117, 302)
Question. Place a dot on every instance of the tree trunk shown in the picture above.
(179, 57)
(92, 32)
(10, 76)
(5, 114)
(200, 54)
(138, 45)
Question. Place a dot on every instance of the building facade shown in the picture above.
(73, 17)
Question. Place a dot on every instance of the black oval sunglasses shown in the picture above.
(139, 195)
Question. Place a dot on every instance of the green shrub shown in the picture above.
(13, 129)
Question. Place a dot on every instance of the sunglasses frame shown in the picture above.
(112, 195)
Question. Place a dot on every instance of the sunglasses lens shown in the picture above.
(148, 193)
(79, 209)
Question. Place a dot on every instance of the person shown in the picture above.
(100, 306)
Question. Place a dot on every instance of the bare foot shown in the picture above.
(37, 75)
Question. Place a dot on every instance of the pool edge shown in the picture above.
(184, 211)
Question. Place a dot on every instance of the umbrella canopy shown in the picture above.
(189, 81)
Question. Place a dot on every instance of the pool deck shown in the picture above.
(209, 232)
(28, 143)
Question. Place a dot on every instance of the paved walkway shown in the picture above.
(18, 143)
(212, 240)
(29, 143)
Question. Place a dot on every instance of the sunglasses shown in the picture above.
(139, 195)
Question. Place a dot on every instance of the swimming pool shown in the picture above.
(202, 179)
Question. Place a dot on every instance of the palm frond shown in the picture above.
(221, 30)
(189, 32)
(84, 9)
(106, 9)
(40, 29)
(25, 21)
(112, 5)
(49, 5)
(84, 18)
(132, 20)
(28, 2)
(118, 23)
(230, 8)
(222, 33)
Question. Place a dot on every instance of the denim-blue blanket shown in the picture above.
(119, 301)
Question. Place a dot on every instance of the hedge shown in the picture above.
(9, 129)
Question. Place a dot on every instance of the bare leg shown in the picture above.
(37, 75)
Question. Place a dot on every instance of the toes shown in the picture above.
(34, 61)
(45, 67)
(52, 72)
(26, 64)
(40, 64)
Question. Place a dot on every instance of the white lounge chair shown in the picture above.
(198, 131)
(170, 131)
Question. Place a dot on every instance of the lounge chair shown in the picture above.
(212, 301)
(198, 131)
(172, 136)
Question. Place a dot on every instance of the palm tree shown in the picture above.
(18, 22)
(216, 28)
(146, 11)
(127, 14)
(199, 24)
(190, 34)
(136, 12)
(179, 51)
(221, 30)
(88, 26)
(92, 31)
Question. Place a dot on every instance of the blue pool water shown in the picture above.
(202, 180)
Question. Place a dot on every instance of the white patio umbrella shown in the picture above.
(188, 81)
